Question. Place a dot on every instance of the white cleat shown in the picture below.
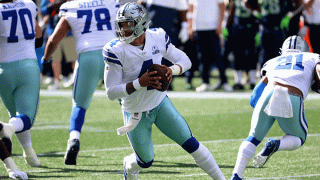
(6, 130)
(259, 161)
(126, 173)
(18, 174)
(31, 158)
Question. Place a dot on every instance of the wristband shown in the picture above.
(184, 24)
(175, 69)
(136, 84)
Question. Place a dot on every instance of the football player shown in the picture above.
(92, 24)
(279, 96)
(244, 27)
(274, 17)
(19, 71)
(128, 59)
(11, 167)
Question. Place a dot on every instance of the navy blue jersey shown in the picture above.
(273, 11)
(242, 15)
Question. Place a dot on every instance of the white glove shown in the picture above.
(18, 174)
(183, 35)
(303, 31)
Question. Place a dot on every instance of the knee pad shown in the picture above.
(253, 140)
(145, 165)
(191, 145)
(26, 122)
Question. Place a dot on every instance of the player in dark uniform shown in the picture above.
(271, 14)
(244, 29)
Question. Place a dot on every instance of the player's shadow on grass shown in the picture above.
(182, 165)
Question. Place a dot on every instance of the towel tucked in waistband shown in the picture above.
(279, 104)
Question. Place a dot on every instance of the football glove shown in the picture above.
(43, 62)
(285, 22)
(225, 33)
(257, 14)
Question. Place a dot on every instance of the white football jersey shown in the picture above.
(91, 22)
(17, 30)
(293, 69)
(126, 63)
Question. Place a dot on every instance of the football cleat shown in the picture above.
(126, 173)
(270, 147)
(31, 158)
(72, 152)
(235, 177)
(6, 130)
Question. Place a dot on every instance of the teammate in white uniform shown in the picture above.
(128, 59)
(19, 72)
(92, 24)
(279, 96)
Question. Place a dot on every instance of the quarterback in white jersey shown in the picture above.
(128, 59)
(92, 24)
(19, 74)
(279, 96)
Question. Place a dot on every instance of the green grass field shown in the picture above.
(220, 124)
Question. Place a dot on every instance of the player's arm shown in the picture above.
(258, 90)
(59, 33)
(38, 30)
(316, 84)
(251, 4)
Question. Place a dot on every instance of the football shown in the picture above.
(161, 72)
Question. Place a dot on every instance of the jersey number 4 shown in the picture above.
(14, 15)
(97, 14)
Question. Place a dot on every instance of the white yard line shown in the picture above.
(203, 95)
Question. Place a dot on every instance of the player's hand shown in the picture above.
(285, 22)
(149, 79)
(43, 62)
(18, 174)
(169, 73)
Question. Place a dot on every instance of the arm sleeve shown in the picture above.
(113, 75)
(176, 56)
(256, 94)
(112, 79)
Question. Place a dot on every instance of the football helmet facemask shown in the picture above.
(294, 44)
(131, 22)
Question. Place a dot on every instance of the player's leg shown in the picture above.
(140, 139)
(27, 99)
(296, 129)
(260, 125)
(171, 123)
(88, 74)
(22, 102)
(9, 164)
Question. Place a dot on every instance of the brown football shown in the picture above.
(161, 71)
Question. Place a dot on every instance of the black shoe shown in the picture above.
(252, 86)
(72, 152)
(238, 87)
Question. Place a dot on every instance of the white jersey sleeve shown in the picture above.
(296, 70)
(125, 63)
(17, 30)
(91, 22)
